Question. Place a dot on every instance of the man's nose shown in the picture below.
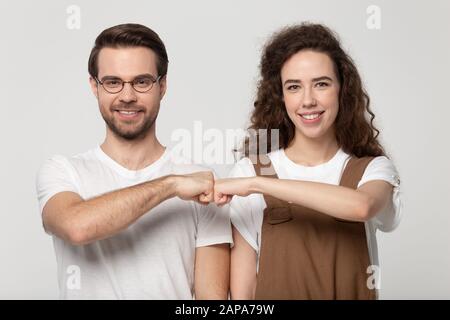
(128, 94)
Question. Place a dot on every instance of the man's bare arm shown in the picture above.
(80, 221)
(212, 272)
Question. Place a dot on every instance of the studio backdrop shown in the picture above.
(401, 49)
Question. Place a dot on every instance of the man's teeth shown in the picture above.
(310, 116)
(128, 112)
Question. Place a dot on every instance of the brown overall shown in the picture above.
(305, 254)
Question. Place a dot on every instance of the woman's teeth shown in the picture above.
(310, 116)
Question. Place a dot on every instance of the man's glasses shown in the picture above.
(139, 84)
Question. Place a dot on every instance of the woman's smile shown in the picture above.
(311, 117)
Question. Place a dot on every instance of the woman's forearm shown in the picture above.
(337, 201)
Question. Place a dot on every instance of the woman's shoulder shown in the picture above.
(383, 168)
(382, 162)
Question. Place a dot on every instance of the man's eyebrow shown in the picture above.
(108, 77)
(144, 75)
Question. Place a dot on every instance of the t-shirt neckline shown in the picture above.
(337, 157)
(132, 174)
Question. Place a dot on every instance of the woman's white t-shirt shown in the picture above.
(247, 212)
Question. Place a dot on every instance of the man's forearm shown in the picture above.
(108, 214)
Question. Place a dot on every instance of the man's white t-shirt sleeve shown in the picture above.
(214, 225)
(213, 222)
(381, 168)
(241, 212)
(53, 177)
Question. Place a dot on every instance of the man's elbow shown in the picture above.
(70, 232)
(77, 237)
(66, 222)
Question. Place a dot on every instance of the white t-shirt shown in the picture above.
(247, 212)
(154, 257)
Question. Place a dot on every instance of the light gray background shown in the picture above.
(214, 49)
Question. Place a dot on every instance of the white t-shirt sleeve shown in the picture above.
(213, 222)
(381, 168)
(53, 177)
(214, 225)
(242, 209)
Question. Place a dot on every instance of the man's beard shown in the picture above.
(133, 133)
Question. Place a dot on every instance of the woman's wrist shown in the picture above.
(256, 184)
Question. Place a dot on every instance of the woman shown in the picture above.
(305, 215)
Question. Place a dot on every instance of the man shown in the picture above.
(118, 213)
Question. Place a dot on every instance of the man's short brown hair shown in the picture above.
(129, 35)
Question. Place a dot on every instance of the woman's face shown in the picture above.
(311, 93)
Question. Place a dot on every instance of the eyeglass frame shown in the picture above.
(130, 82)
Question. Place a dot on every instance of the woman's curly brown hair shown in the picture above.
(355, 132)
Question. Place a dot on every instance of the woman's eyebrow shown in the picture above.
(322, 78)
(313, 80)
(292, 81)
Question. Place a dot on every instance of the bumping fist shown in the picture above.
(201, 187)
(198, 186)
(225, 189)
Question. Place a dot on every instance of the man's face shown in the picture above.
(128, 114)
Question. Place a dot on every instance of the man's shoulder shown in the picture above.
(72, 161)
(83, 160)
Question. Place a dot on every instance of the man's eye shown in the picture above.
(112, 83)
(142, 82)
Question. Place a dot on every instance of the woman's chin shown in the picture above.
(311, 134)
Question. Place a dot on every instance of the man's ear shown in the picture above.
(162, 86)
(94, 86)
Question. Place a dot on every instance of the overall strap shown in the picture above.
(263, 166)
(354, 171)
(278, 210)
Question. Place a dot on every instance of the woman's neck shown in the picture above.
(311, 151)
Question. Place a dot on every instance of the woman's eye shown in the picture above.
(322, 84)
(293, 87)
